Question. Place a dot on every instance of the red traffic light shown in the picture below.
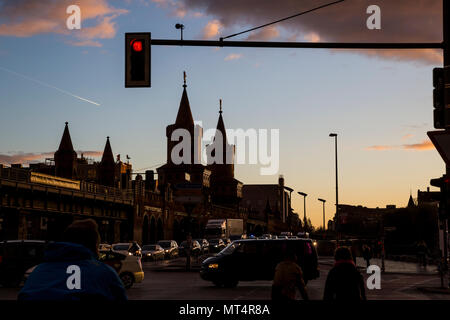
(136, 45)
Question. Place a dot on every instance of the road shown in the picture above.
(164, 282)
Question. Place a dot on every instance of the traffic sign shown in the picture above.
(441, 140)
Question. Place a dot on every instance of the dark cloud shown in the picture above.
(401, 21)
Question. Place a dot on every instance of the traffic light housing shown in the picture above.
(137, 59)
(444, 200)
(439, 114)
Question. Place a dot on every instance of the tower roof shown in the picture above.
(221, 125)
(66, 141)
(107, 153)
(411, 202)
(184, 116)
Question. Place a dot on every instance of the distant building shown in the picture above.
(269, 208)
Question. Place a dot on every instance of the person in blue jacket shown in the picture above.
(71, 271)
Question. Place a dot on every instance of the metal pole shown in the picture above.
(446, 34)
(323, 215)
(304, 208)
(312, 45)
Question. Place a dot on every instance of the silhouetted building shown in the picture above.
(411, 203)
(225, 189)
(66, 157)
(106, 170)
(268, 205)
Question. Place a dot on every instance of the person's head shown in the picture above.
(84, 232)
(343, 253)
(289, 254)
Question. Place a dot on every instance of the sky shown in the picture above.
(379, 102)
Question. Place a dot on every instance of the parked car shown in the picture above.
(196, 249)
(104, 247)
(16, 257)
(254, 259)
(204, 244)
(152, 252)
(170, 248)
(130, 248)
(128, 267)
(216, 245)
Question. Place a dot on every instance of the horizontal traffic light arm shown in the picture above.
(311, 45)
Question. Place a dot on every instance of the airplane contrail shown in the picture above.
(49, 86)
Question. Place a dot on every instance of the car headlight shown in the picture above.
(216, 246)
(130, 254)
(166, 250)
(213, 266)
(149, 254)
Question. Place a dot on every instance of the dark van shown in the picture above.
(256, 259)
(16, 257)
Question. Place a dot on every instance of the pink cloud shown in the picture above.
(267, 33)
(26, 18)
(27, 158)
(233, 56)
(379, 148)
(424, 145)
(212, 29)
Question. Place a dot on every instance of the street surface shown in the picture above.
(167, 280)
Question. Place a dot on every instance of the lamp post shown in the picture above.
(323, 203)
(304, 207)
(337, 198)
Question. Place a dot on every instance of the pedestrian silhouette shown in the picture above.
(288, 276)
(75, 260)
(367, 254)
(344, 282)
(422, 252)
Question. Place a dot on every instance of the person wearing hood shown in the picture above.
(344, 282)
(71, 271)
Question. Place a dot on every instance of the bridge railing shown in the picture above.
(24, 175)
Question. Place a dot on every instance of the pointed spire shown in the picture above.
(107, 153)
(411, 202)
(221, 124)
(66, 141)
(184, 116)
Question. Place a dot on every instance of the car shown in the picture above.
(204, 244)
(170, 248)
(152, 252)
(255, 259)
(104, 247)
(216, 245)
(16, 257)
(196, 249)
(128, 267)
(128, 248)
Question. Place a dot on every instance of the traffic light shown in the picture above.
(444, 200)
(137, 59)
(439, 115)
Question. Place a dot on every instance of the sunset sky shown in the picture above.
(379, 102)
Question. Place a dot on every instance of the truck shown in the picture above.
(224, 228)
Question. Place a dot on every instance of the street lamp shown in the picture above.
(304, 206)
(337, 198)
(323, 202)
